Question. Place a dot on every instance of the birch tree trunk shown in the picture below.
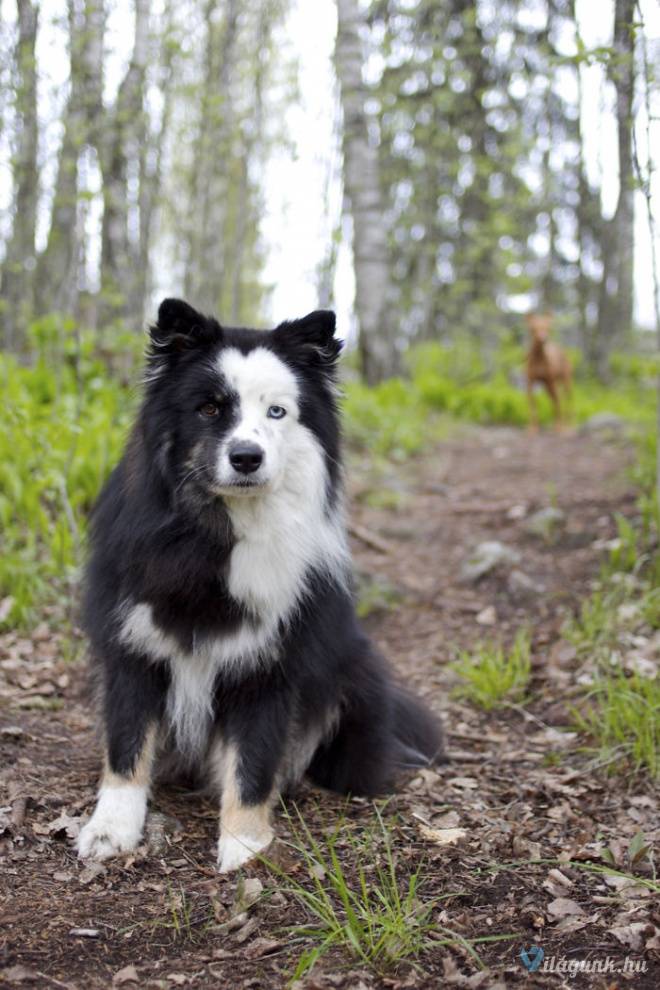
(378, 352)
(151, 166)
(644, 174)
(250, 139)
(18, 270)
(207, 258)
(615, 311)
(585, 210)
(121, 145)
(59, 263)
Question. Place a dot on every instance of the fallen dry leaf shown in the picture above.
(261, 947)
(442, 836)
(523, 848)
(466, 783)
(92, 871)
(453, 975)
(246, 930)
(487, 616)
(562, 907)
(654, 941)
(64, 825)
(12, 732)
(573, 923)
(18, 974)
(222, 953)
(557, 883)
(128, 974)
(632, 936)
(449, 820)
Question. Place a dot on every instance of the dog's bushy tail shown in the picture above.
(379, 735)
(418, 735)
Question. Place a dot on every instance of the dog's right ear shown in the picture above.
(180, 328)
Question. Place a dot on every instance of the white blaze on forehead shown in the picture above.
(259, 378)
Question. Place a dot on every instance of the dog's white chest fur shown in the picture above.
(280, 537)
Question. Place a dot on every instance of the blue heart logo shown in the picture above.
(532, 958)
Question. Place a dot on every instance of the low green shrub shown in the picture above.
(458, 381)
(389, 418)
(64, 426)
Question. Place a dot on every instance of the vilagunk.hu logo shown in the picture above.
(534, 959)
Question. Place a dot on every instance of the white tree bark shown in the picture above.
(121, 144)
(17, 282)
(60, 261)
(363, 191)
(208, 257)
(615, 307)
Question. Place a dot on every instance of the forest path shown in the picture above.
(507, 785)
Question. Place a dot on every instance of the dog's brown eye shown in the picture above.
(209, 409)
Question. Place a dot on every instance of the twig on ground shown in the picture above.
(369, 538)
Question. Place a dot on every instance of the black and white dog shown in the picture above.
(218, 599)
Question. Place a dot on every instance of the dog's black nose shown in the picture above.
(245, 457)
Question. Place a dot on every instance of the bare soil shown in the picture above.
(526, 800)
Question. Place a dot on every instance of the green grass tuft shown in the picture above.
(595, 629)
(360, 898)
(493, 676)
(622, 720)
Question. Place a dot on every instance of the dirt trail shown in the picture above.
(507, 785)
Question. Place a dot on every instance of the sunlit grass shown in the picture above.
(622, 719)
(389, 419)
(595, 628)
(63, 430)
(493, 676)
(620, 715)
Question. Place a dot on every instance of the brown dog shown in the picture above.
(548, 364)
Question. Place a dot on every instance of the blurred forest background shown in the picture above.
(467, 179)
(461, 181)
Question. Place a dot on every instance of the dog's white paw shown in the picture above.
(235, 850)
(116, 825)
(100, 839)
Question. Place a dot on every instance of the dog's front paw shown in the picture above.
(235, 850)
(116, 825)
(101, 839)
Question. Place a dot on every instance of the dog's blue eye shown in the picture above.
(276, 412)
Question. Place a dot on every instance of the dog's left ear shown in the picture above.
(180, 327)
(311, 339)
